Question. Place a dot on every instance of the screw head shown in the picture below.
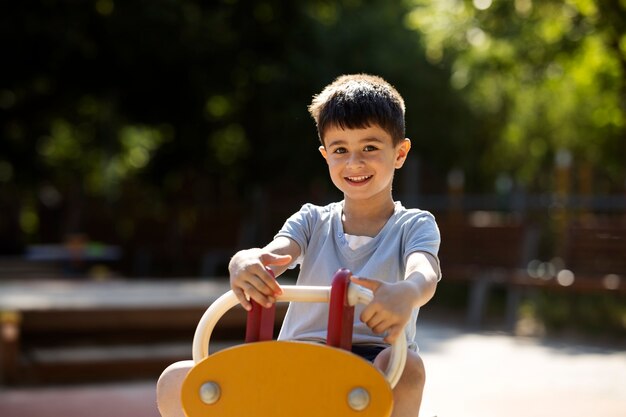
(210, 392)
(358, 399)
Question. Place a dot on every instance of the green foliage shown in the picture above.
(101, 97)
(198, 103)
(544, 75)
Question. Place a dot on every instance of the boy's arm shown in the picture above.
(249, 277)
(391, 308)
(422, 270)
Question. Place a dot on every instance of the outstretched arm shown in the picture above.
(391, 307)
(249, 277)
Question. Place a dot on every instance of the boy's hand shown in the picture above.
(249, 277)
(390, 309)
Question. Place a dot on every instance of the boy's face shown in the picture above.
(362, 162)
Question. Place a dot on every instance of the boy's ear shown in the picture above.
(322, 150)
(402, 150)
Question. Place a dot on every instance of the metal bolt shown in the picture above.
(210, 392)
(358, 399)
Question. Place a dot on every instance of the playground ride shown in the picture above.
(284, 378)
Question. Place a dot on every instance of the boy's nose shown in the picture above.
(356, 159)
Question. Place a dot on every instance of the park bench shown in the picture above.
(484, 256)
(596, 255)
(133, 337)
(593, 260)
(86, 345)
(591, 268)
(18, 266)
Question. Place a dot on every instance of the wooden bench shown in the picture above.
(485, 256)
(591, 268)
(592, 259)
(18, 266)
(596, 255)
(87, 345)
(74, 338)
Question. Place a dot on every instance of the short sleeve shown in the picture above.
(299, 227)
(422, 235)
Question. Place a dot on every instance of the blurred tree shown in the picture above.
(115, 112)
(142, 118)
(546, 78)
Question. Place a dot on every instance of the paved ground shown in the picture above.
(469, 375)
(495, 375)
(115, 400)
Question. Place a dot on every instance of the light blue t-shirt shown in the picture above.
(324, 249)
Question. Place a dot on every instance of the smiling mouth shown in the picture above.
(359, 179)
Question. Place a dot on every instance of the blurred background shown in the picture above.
(143, 142)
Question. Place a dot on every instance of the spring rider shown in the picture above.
(263, 377)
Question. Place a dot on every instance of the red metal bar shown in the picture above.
(260, 321)
(340, 314)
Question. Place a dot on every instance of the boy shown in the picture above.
(389, 249)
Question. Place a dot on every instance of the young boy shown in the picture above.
(390, 249)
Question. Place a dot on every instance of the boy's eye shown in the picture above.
(370, 148)
(340, 150)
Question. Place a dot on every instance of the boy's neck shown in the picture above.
(365, 217)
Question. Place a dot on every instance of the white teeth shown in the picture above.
(359, 179)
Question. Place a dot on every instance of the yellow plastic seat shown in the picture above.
(290, 379)
(286, 379)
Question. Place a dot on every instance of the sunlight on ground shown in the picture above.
(495, 375)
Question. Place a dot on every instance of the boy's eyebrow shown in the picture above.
(367, 139)
(337, 142)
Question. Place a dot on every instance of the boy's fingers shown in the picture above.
(371, 315)
(273, 259)
(267, 279)
(243, 300)
(370, 284)
(380, 329)
(376, 324)
(264, 283)
(393, 332)
(255, 281)
(258, 296)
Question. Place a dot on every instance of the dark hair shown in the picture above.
(357, 101)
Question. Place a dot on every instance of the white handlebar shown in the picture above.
(299, 293)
